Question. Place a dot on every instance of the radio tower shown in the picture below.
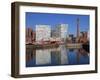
(78, 30)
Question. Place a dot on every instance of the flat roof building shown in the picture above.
(43, 32)
(62, 31)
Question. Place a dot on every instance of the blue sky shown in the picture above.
(53, 19)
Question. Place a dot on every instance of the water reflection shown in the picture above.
(43, 57)
(56, 56)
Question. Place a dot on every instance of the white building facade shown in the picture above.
(43, 32)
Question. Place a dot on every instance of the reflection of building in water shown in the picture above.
(62, 31)
(64, 55)
(43, 57)
(59, 56)
(43, 32)
(55, 57)
(52, 56)
(30, 54)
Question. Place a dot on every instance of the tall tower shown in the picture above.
(78, 28)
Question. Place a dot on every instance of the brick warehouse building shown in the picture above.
(30, 36)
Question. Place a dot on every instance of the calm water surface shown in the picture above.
(56, 57)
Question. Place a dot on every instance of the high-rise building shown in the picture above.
(62, 31)
(54, 34)
(43, 32)
(78, 28)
